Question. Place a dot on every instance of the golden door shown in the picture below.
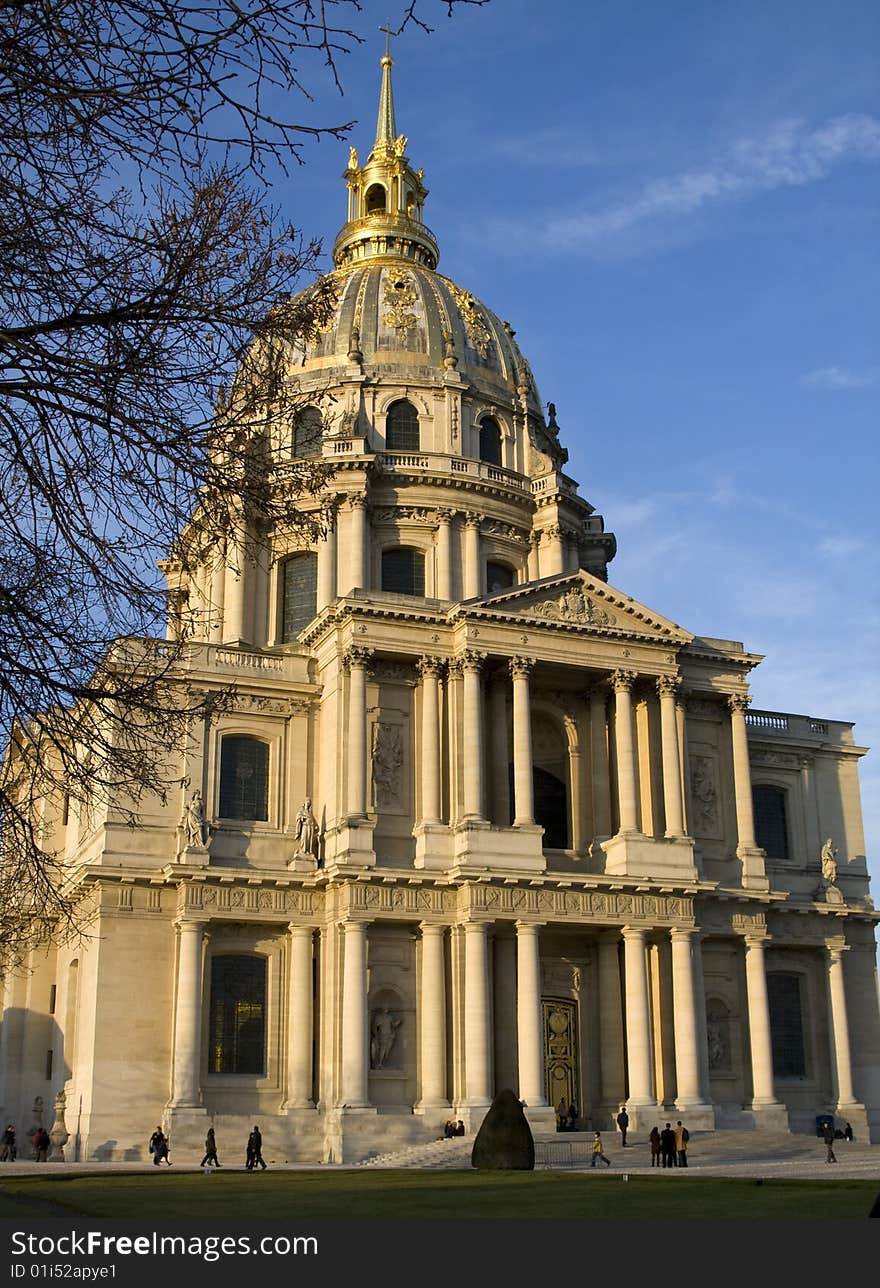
(561, 1053)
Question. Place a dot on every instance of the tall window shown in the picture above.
(244, 779)
(308, 428)
(490, 441)
(375, 199)
(299, 594)
(771, 831)
(402, 427)
(237, 1023)
(786, 1026)
(499, 577)
(403, 571)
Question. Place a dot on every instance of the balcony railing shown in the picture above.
(792, 726)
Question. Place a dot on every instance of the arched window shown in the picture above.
(771, 831)
(237, 1017)
(308, 428)
(244, 779)
(299, 593)
(786, 1025)
(402, 427)
(403, 571)
(549, 783)
(490, 441)
(375, 198)
(499, 577)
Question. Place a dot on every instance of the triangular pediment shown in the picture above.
(579, 601)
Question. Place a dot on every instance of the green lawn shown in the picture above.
(314, 1194)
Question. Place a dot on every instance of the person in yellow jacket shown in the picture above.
(599, 1152)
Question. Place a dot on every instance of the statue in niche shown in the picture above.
(703, 793)
(195, 821)
(387, 763)
(307, 830)
(383, 1033)
(715, 1044)
(829, 862)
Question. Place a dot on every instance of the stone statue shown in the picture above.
(715, 1044)
(352, 158)
(59, 1135)
(383, 1032)
(829, 862)
(195, 822)
(387, 763)
(398, 147)
(307, 830)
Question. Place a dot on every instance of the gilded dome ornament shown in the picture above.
(477, 331)
(399, 295)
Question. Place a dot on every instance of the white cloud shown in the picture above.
(840, 547)
(790, 154)
(840, 378)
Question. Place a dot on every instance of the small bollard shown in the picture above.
(625, 1176)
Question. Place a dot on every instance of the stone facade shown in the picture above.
(503, 827)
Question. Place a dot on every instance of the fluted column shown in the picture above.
(300, 1019)
(524, 807)
(742, 778)
(471, 556)
(759, 1022)
(611, 1061)
(500, 811)
(472, 722)
(354, 568)
(357, 660)
(186, 1087)
(840, 1048)
(599, 774)
(640, 1065)
(444, 554)
(534, 556)
(432, 1018)
(354, 1015)
(218, 594)
(327, 561)
(623, 682)
(529, 1021)
(686, 1028)
(234, 588)
(667, 687)
(477, 1037)
(429, 669)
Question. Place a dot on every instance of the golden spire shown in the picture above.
(386, 129)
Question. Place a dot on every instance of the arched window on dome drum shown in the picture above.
(375, 199)
(244, 779)
(771, 830)
(299, 594)
(402, 427)
(490, 441)
(403, 571)
(237, 1015)
(786, 1025)
(499, 577)
(308, 428)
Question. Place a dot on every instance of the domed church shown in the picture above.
(475, 819)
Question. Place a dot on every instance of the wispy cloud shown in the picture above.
(791, 153)
(841, 378)
(840, 547)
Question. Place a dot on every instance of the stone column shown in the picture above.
(759, 1022)
(534, 556)
(840, 1048)
(477, 1015)
(626, 761)
(611, 1061)
(529, 1020)
(432, 1018)
(186, 1089)
(300, 1019)
(638, 1019)
(667, 687)
(327, 561)
(599, 774)
(556, 550)
(742, 778)
(498, 734)
(524, 807)
(218, 594)
(472, 728)
(234, 588)
(686, 1026)
(443, 588)
(356, 660)
(471, 556)
(354, 1016)
(429, 669)
(356, 563)
(576, 840)
(681, 725)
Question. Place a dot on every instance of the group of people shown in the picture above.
(829, 1135)
(669, 1146)
(159, 1148)
(566, 1116)
(40, 1145)
(453, 1128)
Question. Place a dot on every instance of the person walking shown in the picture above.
(667, 1146)
(572, 1116)
(654, 1138)
(682, 1136)
(623, 1123)
(599, 1152)
(7, 1145)
(255, 1151)
(159, 1147)
(847, 1132)
(210, 1150)
(828, 1137)
(41, 1145)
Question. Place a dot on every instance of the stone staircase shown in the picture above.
(451, 1152)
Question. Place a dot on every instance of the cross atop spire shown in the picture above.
(388, 34)
(386, 129)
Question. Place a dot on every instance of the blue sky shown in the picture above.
(675, 205)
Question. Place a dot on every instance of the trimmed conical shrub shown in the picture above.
(504, 1140)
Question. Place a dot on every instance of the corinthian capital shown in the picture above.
(472, 659)
(739, 702)
(668, 686)
(429, 666)
(623, 681)
(357, 656)
(521, 666)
